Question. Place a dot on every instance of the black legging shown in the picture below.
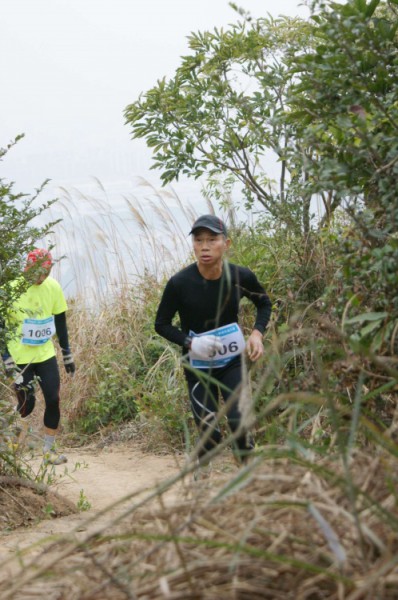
(203, 395)
(47, 375)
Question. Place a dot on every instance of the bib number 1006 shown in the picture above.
(39, 333)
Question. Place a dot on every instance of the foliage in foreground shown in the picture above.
(18, 235)
(282, 527)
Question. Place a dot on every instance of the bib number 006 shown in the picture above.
(233, 344)
(232, 347)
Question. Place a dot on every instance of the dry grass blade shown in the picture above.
(256, 543)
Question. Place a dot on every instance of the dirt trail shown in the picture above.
(97, 477)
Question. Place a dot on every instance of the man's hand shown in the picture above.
(69, 364)
(254, 345)
(205, 346)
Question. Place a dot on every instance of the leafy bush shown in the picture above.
(114, 400)
(132, 373)
(18, 235)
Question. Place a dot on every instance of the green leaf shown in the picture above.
(378, 340)
(370, 327)
(370, 316)
(381, 389)
(371, 7)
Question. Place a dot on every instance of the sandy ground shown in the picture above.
(95, 480)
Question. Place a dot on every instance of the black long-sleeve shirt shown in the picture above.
(62, 331)
(205, 304)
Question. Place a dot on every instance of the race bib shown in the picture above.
(233, 343)
(36, 332)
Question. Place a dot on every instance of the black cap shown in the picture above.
(211, 222)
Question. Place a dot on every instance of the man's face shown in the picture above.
(209, 247)
(37, 274)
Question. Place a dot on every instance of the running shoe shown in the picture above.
(52, 457)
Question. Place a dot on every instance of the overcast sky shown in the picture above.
(70, 67)
(68, 70)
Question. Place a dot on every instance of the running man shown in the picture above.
(35, 317)
(206, 297)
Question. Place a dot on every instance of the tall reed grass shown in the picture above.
(106, 244)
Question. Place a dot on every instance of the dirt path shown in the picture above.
(94, 479)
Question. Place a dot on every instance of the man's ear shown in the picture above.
(227, 243)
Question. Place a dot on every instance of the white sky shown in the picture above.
(70, 67)
(68, 70)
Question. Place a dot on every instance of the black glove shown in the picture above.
(69, 364)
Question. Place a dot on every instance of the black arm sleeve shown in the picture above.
(257, 294)
(62, 332)
(165, 314)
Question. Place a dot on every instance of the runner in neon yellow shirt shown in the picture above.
(37, 315)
